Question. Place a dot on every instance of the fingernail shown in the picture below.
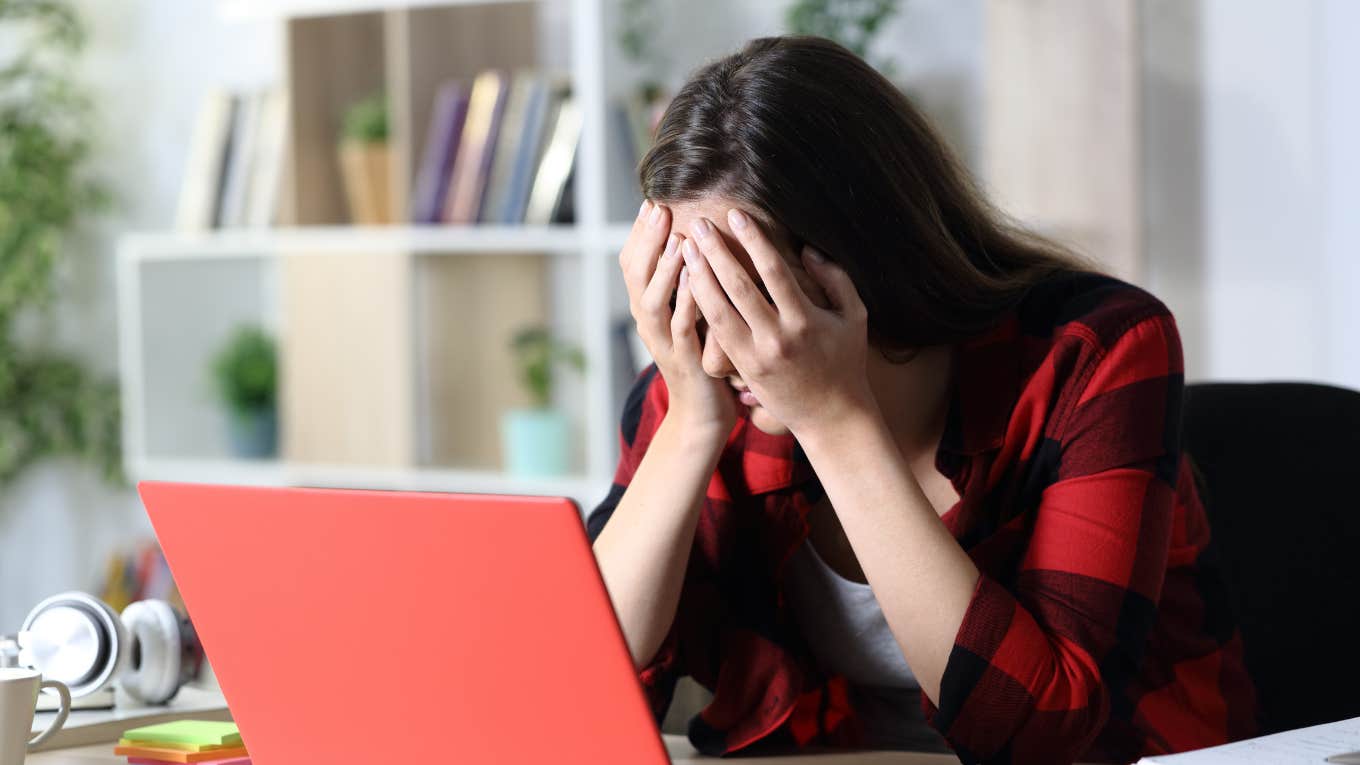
(684, 277)
(701, 228)
(670, 246)
(655, 217)
(643, 208)
(814, 254)
(689, 250)
(737, 219)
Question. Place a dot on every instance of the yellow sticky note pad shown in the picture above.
(204, 732)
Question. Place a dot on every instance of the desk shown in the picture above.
(681, 753)
(678, 746)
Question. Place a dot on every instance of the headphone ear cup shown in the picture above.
(153, 671)
(76, 638)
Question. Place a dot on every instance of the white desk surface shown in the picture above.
(680, 750)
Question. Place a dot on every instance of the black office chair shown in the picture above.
(1279, 468)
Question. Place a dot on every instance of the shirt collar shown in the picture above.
(986, 385)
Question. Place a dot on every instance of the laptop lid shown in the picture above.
(368, 626)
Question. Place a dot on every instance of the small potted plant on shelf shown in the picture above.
(245, 370)
(365, 161)
(537, 439)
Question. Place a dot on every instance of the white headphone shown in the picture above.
(78, 639)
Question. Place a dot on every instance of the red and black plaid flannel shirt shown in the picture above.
(1099, 627)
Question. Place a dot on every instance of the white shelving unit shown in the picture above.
(340, 240)
(592, 240)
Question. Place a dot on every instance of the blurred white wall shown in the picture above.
(1266, 270)
(1339, 60)
(147, 65)
(1253, 158)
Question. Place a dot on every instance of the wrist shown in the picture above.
(696, 432)
(850, 424)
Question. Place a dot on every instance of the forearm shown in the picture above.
(643, 550)
(921, 577)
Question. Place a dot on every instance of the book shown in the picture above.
(441, 145)
(1310, 745)
(197, 206)
(508, 140)
(529, 151)
(551, 181)
(476, 147)
(266, 168)
(240, 155)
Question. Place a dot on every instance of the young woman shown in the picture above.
(898, 467)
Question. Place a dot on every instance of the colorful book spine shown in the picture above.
(203, 170)
(554, 172)
(528, 152)
(476, 148)
(441, 147)
(508, 140)
(266, 176)
(236, 175)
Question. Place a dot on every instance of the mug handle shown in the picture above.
(65, 710)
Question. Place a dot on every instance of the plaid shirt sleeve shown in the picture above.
(642, 414)
(1034, 666)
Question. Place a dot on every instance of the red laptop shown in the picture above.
(354, 627)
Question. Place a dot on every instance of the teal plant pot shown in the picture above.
(536, 442)
(254, 434)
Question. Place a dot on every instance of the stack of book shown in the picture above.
(184, 741)
(235, 164)
(499, 150)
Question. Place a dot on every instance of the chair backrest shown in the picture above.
(1280, 474)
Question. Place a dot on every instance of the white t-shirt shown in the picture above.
(845, 628)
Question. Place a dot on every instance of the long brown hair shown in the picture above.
(805, 134)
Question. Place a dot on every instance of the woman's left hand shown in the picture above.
(806, 364)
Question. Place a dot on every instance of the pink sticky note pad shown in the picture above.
(224, 761)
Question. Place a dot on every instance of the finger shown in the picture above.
(834, 281)
(724, 322)
(656, 299)
(684, 322)
(774, 271)
(639, 222)
(742, 292)
(644, 246)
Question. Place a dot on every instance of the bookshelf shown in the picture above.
(338, 51)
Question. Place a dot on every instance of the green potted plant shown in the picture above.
(852, 23)
(245, 371)
(537, 439)
(365, 161)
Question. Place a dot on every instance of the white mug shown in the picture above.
(19, 688)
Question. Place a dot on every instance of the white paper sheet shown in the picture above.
(1305, 746)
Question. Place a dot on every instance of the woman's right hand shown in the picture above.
(653, 271)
